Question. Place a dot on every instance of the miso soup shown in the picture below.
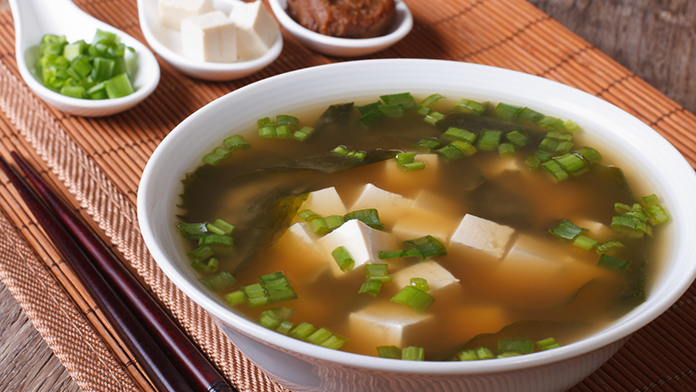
(426, 228)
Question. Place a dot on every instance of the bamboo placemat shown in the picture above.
(97, 163)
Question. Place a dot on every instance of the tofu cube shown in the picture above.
(428, 215)
(299, 247)
(257, 30)
(209, 37)
(483, 235)
(390, 206)
(438, 277)
(387, 323)
(537, 273)
(362, 242)
(324, 202)
(172, 12)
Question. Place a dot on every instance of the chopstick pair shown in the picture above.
(168, 357)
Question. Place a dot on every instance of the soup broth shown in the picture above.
(506, 272)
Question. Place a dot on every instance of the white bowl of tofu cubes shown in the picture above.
(421, 225)
(216, 40)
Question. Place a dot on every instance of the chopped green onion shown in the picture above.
(302, 331)
(206, 267)
(529, 115)
(219, 281)
(549, 122)
(370, 287)
(570, 126)
(508, 354)
(335, 342)
(343, 258)
(414, 298)
(278, 287)
(506, 112)
(467, 149)
(572, 164)
(119, 86)
(649, 200)
(284, 119)
(613, 263)
(484, 352)
(433, 117)
(319, 336)
(470, 107)
(548, 343)
(392, 111)
(368, 216)
(430, 100)
(218, 155)
(518, 138)
(391, 352)
(308, 215)
(405, 157)
(585, 242)
(657, 214)
(566, 230)
(489, 140)
(413, 353)
(467, 355)
(429, 143)
(518, 345)
(334, 221)
(303, 133)
(611, 244)
(192, 231)
(237, 142)
(285, 327)
(236, 297)
(450, 152)
(630, 225)
(590, 154)
(256, 295)
(319, 226)
(420, 283)
(413, 166)
(378, 272)
(428, 246)
(506, 150)
(370, 107)
(371, 118)
(201, 253)
(454, 133)
(216, 239)
(267, 132)
(404, 99)
(220, 227)
(556, 170)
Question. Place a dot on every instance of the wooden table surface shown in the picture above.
(656, 40)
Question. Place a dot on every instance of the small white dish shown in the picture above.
(166, 42)
(345, 47)
(34, 18)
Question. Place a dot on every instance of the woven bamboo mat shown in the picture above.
(97, 164)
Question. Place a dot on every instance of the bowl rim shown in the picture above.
(579, 101)
(397, 32)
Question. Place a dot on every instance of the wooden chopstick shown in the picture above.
(154, 362)
(198, 372)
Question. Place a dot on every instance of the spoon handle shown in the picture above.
(190, 362)
(155, 363)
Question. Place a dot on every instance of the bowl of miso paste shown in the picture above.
(421, 225)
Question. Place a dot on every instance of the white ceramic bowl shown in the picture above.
(345, 47)
(304, 367)
(167, 43)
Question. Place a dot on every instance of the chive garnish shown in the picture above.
(404, 99)
(489, 140)
(470, 107)
(302, 331)
(518, 345)
(414, 298)
(454, 133)
(236, 142)
(378, 272)
(566, 230)
(368, 216)
(506, 112)
(343, 258)
(412, 353)
(391, 352)
(420, 283)
(370, 287)
(236, 297)
(613, 263)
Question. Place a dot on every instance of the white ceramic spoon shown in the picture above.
(167, 43)
(34, 18)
